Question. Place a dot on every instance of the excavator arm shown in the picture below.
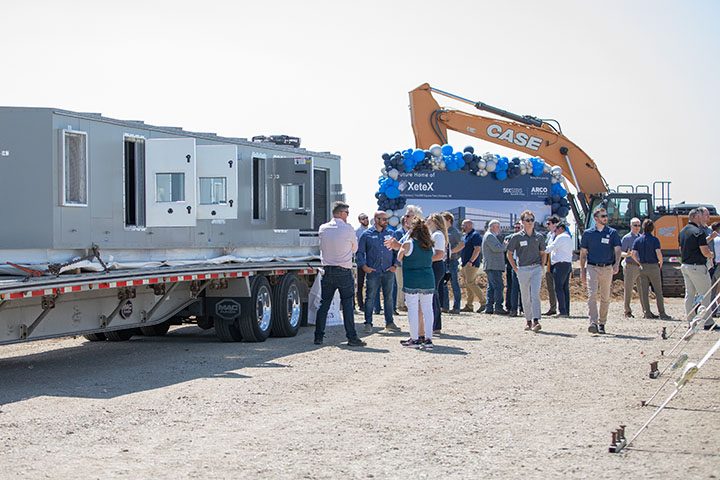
(526, 134)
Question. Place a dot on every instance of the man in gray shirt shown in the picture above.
(452, 258)
(631, 269)
(493, 261)
(529, 246)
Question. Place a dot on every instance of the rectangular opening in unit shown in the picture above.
(134, 182)
(259, 189)
(170, 187)
(75, 168)
(320, 200)
(292, 197)
(213, 190)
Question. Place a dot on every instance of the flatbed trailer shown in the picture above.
(248, 302)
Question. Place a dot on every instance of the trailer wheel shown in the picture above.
(226, 330)
(255, 320)
(205, 322)
(287, 314)
(156, 330)
(120, 335)
(95, 337)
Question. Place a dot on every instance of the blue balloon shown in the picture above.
(501, 175)
(555, 206)
(406, 155)
(447, 149)
(502, 164)
(563, 211)
(418, 155)
(556, 198)
(392, 192)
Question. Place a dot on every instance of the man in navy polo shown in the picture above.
(379, 264)
(600, 255)
(470, 257)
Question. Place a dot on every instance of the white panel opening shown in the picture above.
(170, 180)
(217, 182)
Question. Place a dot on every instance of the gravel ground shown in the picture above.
(490, 401)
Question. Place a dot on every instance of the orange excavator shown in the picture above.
(544, 138)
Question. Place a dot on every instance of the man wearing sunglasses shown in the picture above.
(600, 255)
(529, 247)
(631, 269)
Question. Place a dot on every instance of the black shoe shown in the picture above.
(455, 311)
(356, 342)
(500, 311)
(513, 313)
(552, 311)
(593, 328)
(444, 310)
(410, 343)
(629, 315)
(650, 315)
(489, 312)
(601, 329)
(318, 341)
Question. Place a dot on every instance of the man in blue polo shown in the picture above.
(379, 264)
(470, 257)
(600, 255)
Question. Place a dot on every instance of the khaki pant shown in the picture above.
(650, 275)
(697, 282)
(599, 281)
(470, 274)
(631, 276)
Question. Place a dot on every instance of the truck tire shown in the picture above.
(226, 330)
(120, 335)
(255, 322)
(95, 337)
(156, 330)
(287, 311)
(673, 284)
(205, 322)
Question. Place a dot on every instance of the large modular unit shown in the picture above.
(140, 192)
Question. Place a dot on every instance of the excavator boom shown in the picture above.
(430, 124)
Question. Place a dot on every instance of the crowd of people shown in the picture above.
(413, 268)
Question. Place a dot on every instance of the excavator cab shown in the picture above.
(622, 206)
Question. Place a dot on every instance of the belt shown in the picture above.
(601, 264)
(338, 267)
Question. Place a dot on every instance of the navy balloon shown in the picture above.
(469, 148)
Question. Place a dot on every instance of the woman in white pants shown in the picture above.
(418, 283)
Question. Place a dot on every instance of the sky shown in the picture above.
(632, 83)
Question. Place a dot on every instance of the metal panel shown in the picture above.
(217, 171)
(293, 192)
(170, 180)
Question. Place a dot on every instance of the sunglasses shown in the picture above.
(602, 216)
(635, 225)
(528, 220)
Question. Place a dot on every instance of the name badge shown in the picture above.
(605, 240)
(523, 243)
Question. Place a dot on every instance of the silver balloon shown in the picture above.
(556, 171)
(483, 173)
(490, 167)
(389, 213)
(546, 168)
(394, 221)
(393, 174)
(482, 164)
(554, 180)
(383, 172)
(435, 150)
(441, 165)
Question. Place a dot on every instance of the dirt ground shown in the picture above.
(490, 401)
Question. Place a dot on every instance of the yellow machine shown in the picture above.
(544, 139)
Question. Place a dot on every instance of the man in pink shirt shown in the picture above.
(338, 243)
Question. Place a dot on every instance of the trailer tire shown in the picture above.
(226, 330)
(95, 337)
(205, 322)
(120, 335)
(287, 311)
(156, 330)
(255, 322)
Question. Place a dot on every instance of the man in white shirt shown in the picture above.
(338, 243)
(561, 251)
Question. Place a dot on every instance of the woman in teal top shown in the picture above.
(418, 283)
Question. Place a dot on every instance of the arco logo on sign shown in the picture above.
(227, 309)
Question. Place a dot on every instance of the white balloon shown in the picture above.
(394, 221)
(556, 170)
(393, 174)
(435, 150)
(490, 166)
(482, 164)
(389, 213)
(483, 173)
(523, 171)
(546, 168)
(383, 172)
(480, 172)
(441, 165)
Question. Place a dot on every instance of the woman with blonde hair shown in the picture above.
(418, 283)
(438, 233)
